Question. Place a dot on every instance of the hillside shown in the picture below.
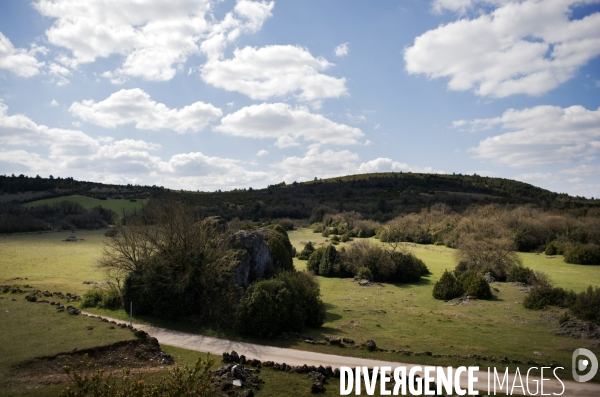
(379, 196)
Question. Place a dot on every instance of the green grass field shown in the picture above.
(88, 202)
(396, 316)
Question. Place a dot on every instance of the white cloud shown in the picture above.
(331, 163)
(520, 47)
(287, 125)
(328, 163)
(262, 152)
(341, 50)
(116, 161)
(383, 164)
(274, 71)
(135, 106)
(53, 103)
(540, 135)
(356, 118)
(156, 37)
(18, 60)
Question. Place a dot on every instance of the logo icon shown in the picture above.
(581, 364)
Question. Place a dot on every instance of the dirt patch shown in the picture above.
(139, 355)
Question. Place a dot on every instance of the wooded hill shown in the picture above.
(378, 196)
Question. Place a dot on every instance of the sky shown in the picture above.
(223, 94)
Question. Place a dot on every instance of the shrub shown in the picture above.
(91, 298)
(179, 381)
(329, 260)
(366, 254)
(583, 254)
(587, 305)
(521, 274)
(364, 273)
(539, 298)
(482, 254)
(326, 232)
(314, 260)
(448, 287)
(556, 247)
(564, 317)
(308, 249)
(345, 238)
(111, 299)
(281, 249)
(111, 232)
(407, 268)
(286, 223)
(287, 302)
(474, 284)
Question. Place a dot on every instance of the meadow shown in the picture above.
(397, 316)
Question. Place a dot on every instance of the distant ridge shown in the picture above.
(379, 196)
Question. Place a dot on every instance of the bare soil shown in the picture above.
(141, 356)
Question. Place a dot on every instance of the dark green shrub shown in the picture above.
(329, 260)
(335, 238)
(539, 298)
(287, 224)
(364, 273)
(474, 285)
(281, 249)
(308, 249)
(287, 302)
(91, 298)
(587, 305)
(314, 260)
(407, 268)
(345, 238)
(326, 232)
(521, 274)
(556, 247)
(111, 299)
(448, 287)
(581, 254)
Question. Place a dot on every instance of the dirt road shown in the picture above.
(217, 346)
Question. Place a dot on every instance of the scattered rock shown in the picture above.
(579, 329)
(73, 310)
(370, 344)
(317, 387)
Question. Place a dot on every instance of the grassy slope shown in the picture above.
(88, 202)
(29, 330)
(50, 263)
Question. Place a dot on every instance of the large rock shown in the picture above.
(254, 259)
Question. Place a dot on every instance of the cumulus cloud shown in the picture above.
(341, 50)
(153, 35)
(274, 71)
(135, 107)
(105, 159)
(53, 103)
(540, 135)
(262, 152)
(287, 125)
(520, 47)
(332, 163)
(156, 37)
(18, 60)
(326, 163)
(383, 164)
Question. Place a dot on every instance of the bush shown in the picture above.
(407, 268)
(587, 305)
(539, 298)
(306, 252)
(314, 260)
(91, 298)
(287, 302)
(111, 232)
(556, 248)
(364, 273)
(448, 287)
(520, 274)
(287, 224)
(329, 260)
(345, 238)
(281, 249)
(179, 381)
(474, 284)
(366, 254)
(580, 254)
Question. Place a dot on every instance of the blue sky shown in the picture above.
(222, 94)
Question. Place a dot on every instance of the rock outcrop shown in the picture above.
(254, 256)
